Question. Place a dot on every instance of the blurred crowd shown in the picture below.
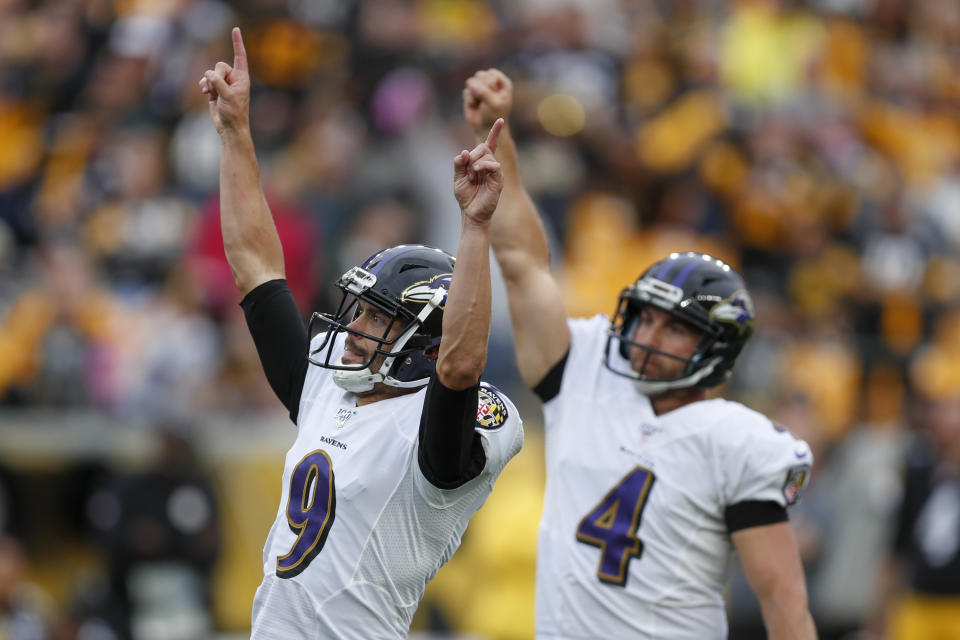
(813, 144)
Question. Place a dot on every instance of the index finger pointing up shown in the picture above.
(239, 52)
(494, 134)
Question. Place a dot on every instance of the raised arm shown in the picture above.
(772, 566)
(451, 452)
(519, 241)
(477, 183)
(250, 237)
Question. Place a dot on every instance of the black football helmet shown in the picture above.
(410, 284)
(706, 294)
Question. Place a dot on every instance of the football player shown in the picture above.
(650, 485)
(398, 443)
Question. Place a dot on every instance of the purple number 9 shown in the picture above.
(612, 525)
(310, 511)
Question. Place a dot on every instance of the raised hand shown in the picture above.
(477, 178)
(228, 89)
(488, 95)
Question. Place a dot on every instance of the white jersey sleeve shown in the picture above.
(765, 462)
(581, 374)
(499, 427)
(587, 341)
(501, 435)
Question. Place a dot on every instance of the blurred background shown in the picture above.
(813, 144)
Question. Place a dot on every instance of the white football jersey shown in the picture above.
(360, 531)
(633, 542)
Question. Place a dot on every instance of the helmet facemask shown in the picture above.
(620, 343)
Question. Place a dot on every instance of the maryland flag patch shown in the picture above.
(796, 480)
(491, 410)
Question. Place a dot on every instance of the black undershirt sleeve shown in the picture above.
(281, 339)
(451, 453)
(548, 388)
(753, 513)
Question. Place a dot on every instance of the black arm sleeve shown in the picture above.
(549, 387)
(753, 513)
(281, 338)
(451, 453)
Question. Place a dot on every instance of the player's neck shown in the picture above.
(382, 391)
(667, 402)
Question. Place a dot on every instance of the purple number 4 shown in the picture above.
(311, 508)
(612, 525)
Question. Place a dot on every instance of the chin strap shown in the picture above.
(365, 380)
(355, 381)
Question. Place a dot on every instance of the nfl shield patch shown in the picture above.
(491, 410)
(796, 481)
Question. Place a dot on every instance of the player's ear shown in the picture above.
(432, 353)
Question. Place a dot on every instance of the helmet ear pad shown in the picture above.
(417, 364)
